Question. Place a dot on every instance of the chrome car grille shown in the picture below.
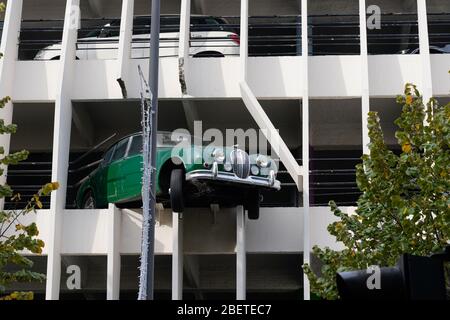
(241, 163)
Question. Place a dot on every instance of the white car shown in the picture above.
(209, 38)
(433, 49)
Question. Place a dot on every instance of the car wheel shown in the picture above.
(89, 201)
(252, 205)
(176, 190)
(209, 54)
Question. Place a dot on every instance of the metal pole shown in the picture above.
(241, 255)
(153, 83)
(305, 147)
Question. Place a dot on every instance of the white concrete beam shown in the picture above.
(125, 39)
(113, 258)
(305, 146)
(424, 45)
(61, 145)
(177, 256)
(241, 255)
(9, 48)
(365, 97)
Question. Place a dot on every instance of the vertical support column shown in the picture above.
(185, 30)
(61, 145)
(10, 49)
(125, 39)
(305, 145)
(189, 107)
(177, 256)
(424, 45)
(241, 255)
(365, 98)
(113, 264)
(244, 40)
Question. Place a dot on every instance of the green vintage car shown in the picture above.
(186, 174)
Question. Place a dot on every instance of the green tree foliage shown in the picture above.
(15, 237)
(405, 205)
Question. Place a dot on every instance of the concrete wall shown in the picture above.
(279, 230)
(270, 78)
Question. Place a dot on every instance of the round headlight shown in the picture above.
(263, 161)
(228, 167)
(255, 170)
(218, 155)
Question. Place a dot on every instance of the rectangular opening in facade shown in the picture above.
(41, 30)
(438, 26)
(34, 134)
(38, 288)
(392, 27)
(336, 147)
(333, 27)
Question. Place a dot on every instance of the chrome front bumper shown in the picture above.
(215, 175)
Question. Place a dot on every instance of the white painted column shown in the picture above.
(113, 259)
(61, 145)
(241, 255)
(185, 30)
(10, 49)
(365, 95)
(183, 49)
(189, 106)
(177, 256)
(305, 145)
(257, 112)
(244, 40)
(125, 39)
(424, 45)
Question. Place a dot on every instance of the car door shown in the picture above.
(99, 182)
(132, 170)
(115, 176)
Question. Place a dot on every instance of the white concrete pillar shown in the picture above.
(244, 40)
(177, 256)
(183, 45)
(424, 45)
(365, 97)
(10, 49)
(241, 255)
(61, 145)
(125, 44)
(113, 259)
(257, 112)
(305, 145)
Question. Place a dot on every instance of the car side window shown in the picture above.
(136, 146)
(120, 150)
(107, 156)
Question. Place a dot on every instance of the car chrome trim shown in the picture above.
(269, 182)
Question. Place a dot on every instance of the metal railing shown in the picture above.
(268, 36)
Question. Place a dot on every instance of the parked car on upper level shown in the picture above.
(433, 49)
(225, 176)
(209, 38)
